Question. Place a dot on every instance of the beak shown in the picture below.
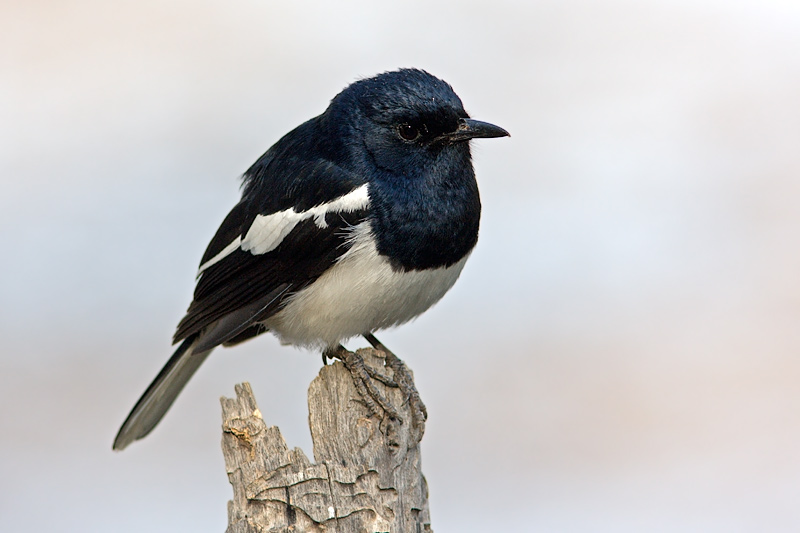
(474, 129)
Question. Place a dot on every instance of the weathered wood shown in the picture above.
(367, 476)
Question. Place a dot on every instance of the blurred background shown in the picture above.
(620, 354)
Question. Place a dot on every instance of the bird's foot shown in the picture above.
(405, 382)
(363, 375)
(375, 401)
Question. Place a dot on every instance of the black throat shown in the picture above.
(429, 220)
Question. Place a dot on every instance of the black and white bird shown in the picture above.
(358, 220)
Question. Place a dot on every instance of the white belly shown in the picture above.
(361, 293)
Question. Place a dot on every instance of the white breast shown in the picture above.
(361, 293)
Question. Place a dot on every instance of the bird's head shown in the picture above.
(406, 119)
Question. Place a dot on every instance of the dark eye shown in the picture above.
(408, 132)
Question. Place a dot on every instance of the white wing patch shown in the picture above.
(221, 255)
(268, 231)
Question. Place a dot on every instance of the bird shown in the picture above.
(358, 220)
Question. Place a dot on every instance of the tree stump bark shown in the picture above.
(367, 476)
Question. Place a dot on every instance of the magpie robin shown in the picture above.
(357, 220)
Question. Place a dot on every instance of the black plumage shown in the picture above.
(377, 188)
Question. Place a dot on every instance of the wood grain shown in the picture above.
(366, 476)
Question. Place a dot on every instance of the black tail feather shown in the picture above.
(159, 396)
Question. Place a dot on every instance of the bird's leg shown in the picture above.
(361, 373)
(403, 380)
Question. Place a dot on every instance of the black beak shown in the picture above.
(474, 129)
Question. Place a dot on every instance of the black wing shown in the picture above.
(243, 278)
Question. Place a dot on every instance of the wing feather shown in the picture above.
(232, 293)
(291, 225)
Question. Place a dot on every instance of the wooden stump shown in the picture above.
(367, 475)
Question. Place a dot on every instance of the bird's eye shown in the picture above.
(408, 132)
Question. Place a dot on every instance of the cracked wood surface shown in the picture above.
(366, 477)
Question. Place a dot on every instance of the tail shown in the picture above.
(157, 399)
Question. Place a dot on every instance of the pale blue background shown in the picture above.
(621, 353)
